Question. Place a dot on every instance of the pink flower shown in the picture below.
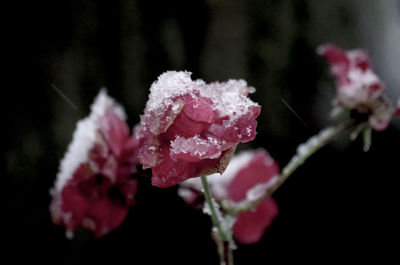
(190, 128)
(359, 89)
(94, 188)
(397, 112)
(246, 179)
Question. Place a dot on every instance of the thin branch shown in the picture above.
(304, 151)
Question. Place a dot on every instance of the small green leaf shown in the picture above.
(367, 138)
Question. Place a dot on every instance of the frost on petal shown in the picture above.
(227, 99)
(243, 130)
(163, 104)
(250, 226)
(195, 148)
(158, 122)
(168, 86)
(231, 100)
(149, 152)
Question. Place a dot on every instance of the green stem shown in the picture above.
(367, 138)
(223, 239)
(309, 148)
(304, 151)
(229, 254)
(213, 211)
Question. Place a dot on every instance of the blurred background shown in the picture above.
(340, 207)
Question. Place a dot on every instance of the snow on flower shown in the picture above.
(190, 128)
(94, 188)
(247, 177)
(359, 89)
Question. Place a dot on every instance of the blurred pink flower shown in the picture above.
(358, 87)
(190, 128)
(397, 113)
(246, 179)
(94, 188)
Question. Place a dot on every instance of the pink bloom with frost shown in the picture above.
(246, 179)
(358, 87)
(94, 188)
(190, 128)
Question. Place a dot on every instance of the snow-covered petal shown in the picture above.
(359, 89)
(206, 124)
(94, 187)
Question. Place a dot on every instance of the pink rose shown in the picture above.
(247, 178)
(190, 128)
(359, 89)
(94, 188)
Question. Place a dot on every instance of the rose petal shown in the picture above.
(196, 116)
(169, 172)
(115, 131)
(73, 207)
(337, 58)
(149, 151)
(260, 169)
(250, 226)
(106, 216)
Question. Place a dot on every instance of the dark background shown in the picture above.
(341, 207)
